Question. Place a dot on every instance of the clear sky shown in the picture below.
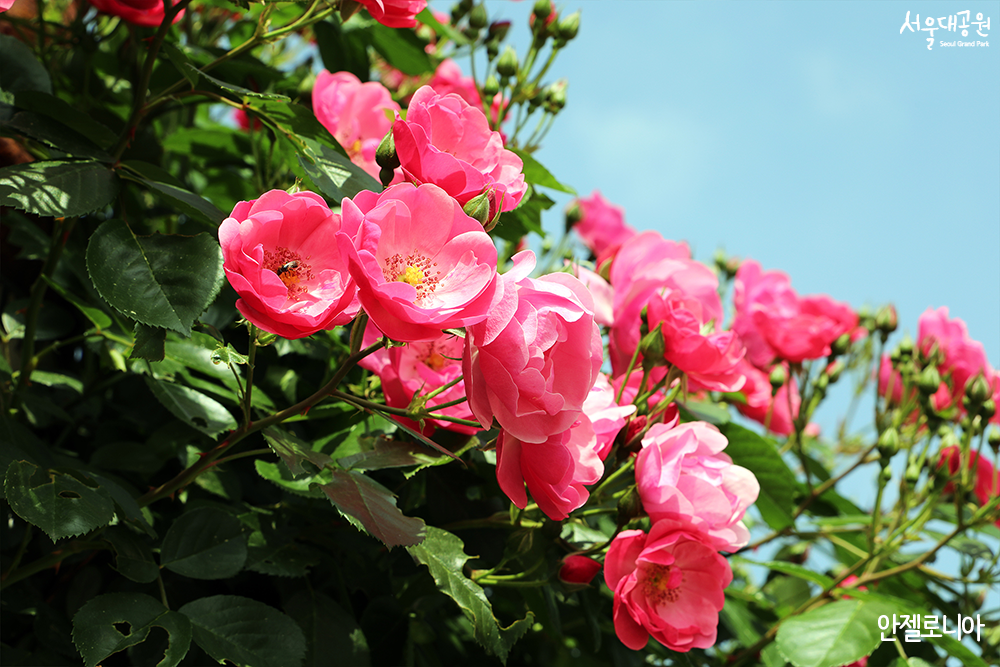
(811, 136)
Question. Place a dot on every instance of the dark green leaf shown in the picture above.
(133, 557)
(777, 483)
(55, 134)
(280, 476)
(239, 90)
(148, 342)
(299, 121)
(219, 143)
(57, 381)
(100, 319)
(192, 205)
(444, 555)
(335, 175)
(58, 188)
(792, 569)
(181, 62)
(294, 451)
(426, 16)
(21, 70)
(536, 174)
(527, 217)
(192, 407)
(59, 504)
(245, 632)
(127, 508)
(392, 454)
(833, 635)
(228, 355)
(205, 543)
(114, 621)
(402, 49)
(163, 281)
(61, 111)
(375, 507)
(343, 49)
(330, 631)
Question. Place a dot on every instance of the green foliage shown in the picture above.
(57, 502)
(374, 507)
(58, 188)
(205, 543)
(115, 621)
(833, 635)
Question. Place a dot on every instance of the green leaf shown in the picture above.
(245, 632)
(911, 662)
(790, 568)
(527, 217)
(239, 90)
(329, 630)
(149, 342)
(181, 62)
(127, 509)
(444, 555)
(391, 454)
(294, 451)
(833, 635)
(777, 483)
(228, 355)
(59, 504)
(536, 174)
(55, 134)
(402, 49)
(21, 70)
(56, 380)
(58, 188)
(280, 476)
(297, 120)
(133, 557)
(98, 317)
(112, 622)
(343, 49)
(162, 281)
(426, 16)
(62, 112)
(203, 413)
(375, 507)
(335, 175)
(713, 413)
(192, 205)
(205, 543)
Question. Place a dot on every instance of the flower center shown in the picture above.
(291, 268)
(413, 269)
(661, 583)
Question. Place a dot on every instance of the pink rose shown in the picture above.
(601, 290)
(668, 584)
(6, 4)
(281, 258)
(532, 363)
(147, 13)
(772, 411)
(987, 484)
(577, 569)
(448, 78)
(602, 226)
(354, 113)
(963, 358)
(421, 264)
(607, 417)
(446, 141)
(243, 120)
(422, 367)
(775, 322)
(682, 474)
(556, 471)
(395, 13)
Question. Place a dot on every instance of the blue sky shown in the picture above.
(813, 137)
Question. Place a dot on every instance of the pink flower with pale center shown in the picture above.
(682, 474)
(281, 257)
(774, 412)
(446, 141)
(775, 322)
(395, 13)
(602, 226)
(354, 113)
(556, 471)
(667, 584)
(148, 13)
(532, 363)
(421, 264)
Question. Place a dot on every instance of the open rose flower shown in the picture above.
(532, 363)
(607, 416)
(668, 584)
(421, 264)
(682, 474)
(395, 13)
(602, 226)
(776, 412)
(354, 113)
(448, 78)
(446, 141)
(148, 13)
(281, 258)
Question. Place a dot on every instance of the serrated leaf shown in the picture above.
(294, 451)
(162, 281)
(335, 175)
(133, 557)
(148, 342)
(203, 413)
(228, 355)
(280, 476)
(58, 188)
(55, 134)
(833, 635)
(329, 631)
(391, 454)
(444, 555)
(402, 49)
(777, 483)
(59, 504)
(205, 543)
(96, 626)
(536, 174)
(375, 507)
(239, 90)
(245, 632)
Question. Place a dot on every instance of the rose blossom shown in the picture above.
(354, 113)
(556, 471)
(532, 363)
(962, 357)
(148, 13)
(761, 406)
(601, 290)
(682, 474)
(421, 264)
(987, 485)
(607, 416)
(775, 322)
(602, 226)
(395, 13)
(6, 4)
(577, 569)
(668, 584)
(448, 78)
(446, 141)
(281, 258)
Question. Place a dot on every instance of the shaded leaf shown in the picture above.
(402, 49)
(444, 555)
(245, 632)
(203, 413)
(329, 630)
(280, 476)
(59, 504)
(21, 70)
(343, 49)
(59, 110)
(205, 543)
(114, 621)
(58, 188)
(55, 134)
(833, 635)
(294, 451)
(391, 454)
(98, 317)
(133, 557)
(148, 342)
(239, 90)
(375, 507)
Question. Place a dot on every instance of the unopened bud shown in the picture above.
(912, 474)
(822, 382)
(835, 370)
(478, 17)
(988, 409)
(265, 338)
(929, 380)
(491, 87)
(507, 65)
(994, 439)
(841, 345)
(578, 570)
(478, 208)
(886, 474)
(498, 30)
(568, 26)
(542, 9)
(979, 390)
(653, 348)
(629, 506)
(886, 319)
(557, 96)
(888, 443)
(385, 154)
(778, 377)
(906, 346)
(459, 10)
